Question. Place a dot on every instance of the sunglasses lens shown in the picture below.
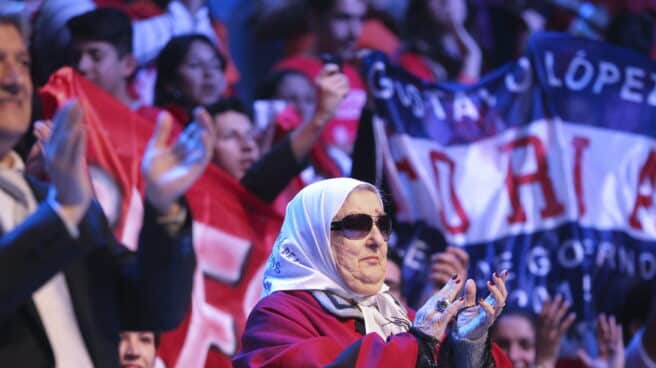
(357, 226)
(384, 224)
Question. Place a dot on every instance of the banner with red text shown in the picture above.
(547, 168)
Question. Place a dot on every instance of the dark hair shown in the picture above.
(229, 104)
(167, 64)
(418, 21)
(421, 33)
(321, 6)
(267, 89)
(511, 311)
(103, 24)
(633, 31)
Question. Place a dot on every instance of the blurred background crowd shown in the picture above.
(284, 120)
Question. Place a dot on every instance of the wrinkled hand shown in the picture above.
(611, 346)
(453, 261)
(169, 170)
(64, 155)
(433, 322)
(473, 322)
(332, 87)
(552, 324)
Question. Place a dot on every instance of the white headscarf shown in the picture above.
(302, 258)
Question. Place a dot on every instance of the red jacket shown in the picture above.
(291, 329)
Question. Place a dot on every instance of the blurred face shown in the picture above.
(516, 336)
(360, 262)
(235, 149)
(297, 91)
(15, 87)
(200, 75)
(99, 62)
(137, 349)
(341, 28)
(393, 279)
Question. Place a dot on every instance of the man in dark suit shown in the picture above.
(66, 286)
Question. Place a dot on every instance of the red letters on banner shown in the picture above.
(462, 227)
(580, 144)
(647, 174)
(513, 181)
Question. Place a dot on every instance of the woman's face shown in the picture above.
(297, 91)
(516, 336)
(201, 79)
(361, 262)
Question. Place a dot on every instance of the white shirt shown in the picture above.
(53, 299)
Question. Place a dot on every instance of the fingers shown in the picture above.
(42, 130)
(208, 131)
(490, 311)
(609, 335)
(445, 264)
(328, 69)
(585, 358)
(66, 130)
(561, 309)
(460, 254)
(69, 114)
(618, 337)
(567, 323)
(204, 120)
(447, 293)
(162, 130)
(500, 282)
(498, 292)
(552, 315)
(80, 146)
(450, 290)
(452, 310)
(470, 293)
(330, 78)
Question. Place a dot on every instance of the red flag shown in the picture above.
(233, 230)
(233, 235)
(116, 140)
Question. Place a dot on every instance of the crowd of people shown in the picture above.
(75, 297)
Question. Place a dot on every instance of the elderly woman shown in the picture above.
(326, 303)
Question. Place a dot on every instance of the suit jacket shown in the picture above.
(112, 289)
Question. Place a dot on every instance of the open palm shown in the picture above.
(169, 170)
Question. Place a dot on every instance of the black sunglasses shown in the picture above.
(359, 225)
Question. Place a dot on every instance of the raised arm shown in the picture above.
(156, 284)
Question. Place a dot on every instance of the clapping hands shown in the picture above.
(169, 170)
(472, 319)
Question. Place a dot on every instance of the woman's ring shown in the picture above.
(441, 305)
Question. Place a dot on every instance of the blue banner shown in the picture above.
(546, 167)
